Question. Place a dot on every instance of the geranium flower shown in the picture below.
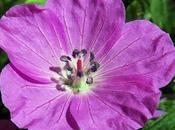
(76, 65)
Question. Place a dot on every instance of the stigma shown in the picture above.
(79, 68)
(76, 74)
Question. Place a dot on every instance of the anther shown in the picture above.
(65, 58)
(94, 66)
(94, 63)
(68, 67)
(91, 56)
(93, 69)
(75, 53)
(83, 52)
(89, 80)
(59, 88)
(55, 69)
(68, 58)
(54, 80)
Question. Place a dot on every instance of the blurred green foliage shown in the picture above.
(138, 9)
(42, 2)
(3, 59)
(166, 122)
(161, 12)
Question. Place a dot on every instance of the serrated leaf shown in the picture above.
(41, 2)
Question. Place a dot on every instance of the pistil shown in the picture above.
(79, 68)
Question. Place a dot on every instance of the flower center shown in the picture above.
(76, 73)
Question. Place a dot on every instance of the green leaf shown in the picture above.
(138, 9)
(3, 59)
(41, 2)
(5, 5)
(167, 105)
(162, 12)
(166, 122)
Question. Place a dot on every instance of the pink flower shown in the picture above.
(77, 65)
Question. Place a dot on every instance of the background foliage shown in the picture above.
(161, 12)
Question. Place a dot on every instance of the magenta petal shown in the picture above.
(35, 40)
(136, 97)
(79, 109)
(91, 24)
(33, 106)
(93, 114)
(143, 49)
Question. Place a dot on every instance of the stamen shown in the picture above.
(94, 66)
(92, 57)
(83, 52)
(74, 75)
(93, 69)
(75, 53)
(65, 58)
(68, 82)
(97, 64)
(68, 67)
(89, 80)
(68, 58)
(55, 80)
(55, 69)
(59, 88)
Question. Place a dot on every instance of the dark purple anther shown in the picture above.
(91, 56)
(55, 80)
(65, 58)
(68, 58)
(68, 67)
(75, 53)
(55, 69)
(94, 66)
(84, 52)
(59, 88)
(93, 69)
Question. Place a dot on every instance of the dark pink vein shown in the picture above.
(63, 109)
(65, 23)
(82, 35)
(25, 45)
(58, 96)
